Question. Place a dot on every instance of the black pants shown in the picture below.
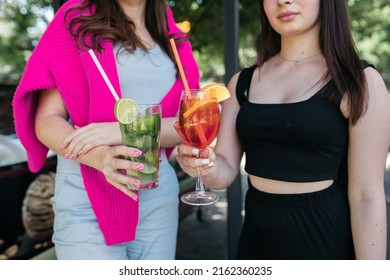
(310, 226)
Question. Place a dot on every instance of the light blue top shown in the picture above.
(145, 77)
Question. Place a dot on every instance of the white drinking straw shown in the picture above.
(101, 70)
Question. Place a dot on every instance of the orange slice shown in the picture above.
(218, 90)
(198, 104)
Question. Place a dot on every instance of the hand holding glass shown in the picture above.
(198, 126)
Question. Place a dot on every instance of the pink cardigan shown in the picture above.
(56, 63)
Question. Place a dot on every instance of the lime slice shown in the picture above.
(133, 173)
(148, 169)
(125, 110)
(152, 158)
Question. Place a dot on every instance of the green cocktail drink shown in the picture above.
(140, 129)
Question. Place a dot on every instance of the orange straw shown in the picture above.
(198, 127)
(183, 77)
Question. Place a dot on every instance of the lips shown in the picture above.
(286, 16)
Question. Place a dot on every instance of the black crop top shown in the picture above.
(305, 141)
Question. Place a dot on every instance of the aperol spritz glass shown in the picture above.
(198, 126)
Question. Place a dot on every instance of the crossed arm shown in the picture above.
(97, 145)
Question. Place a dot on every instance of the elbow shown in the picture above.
(366, 194)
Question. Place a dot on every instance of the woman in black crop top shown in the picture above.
(313, 122)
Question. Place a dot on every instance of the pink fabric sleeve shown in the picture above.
(36, 76)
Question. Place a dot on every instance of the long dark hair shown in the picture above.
(336, 43)
(99, 20)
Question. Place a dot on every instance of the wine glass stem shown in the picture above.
(199, 188)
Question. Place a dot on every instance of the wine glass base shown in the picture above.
(199, 199)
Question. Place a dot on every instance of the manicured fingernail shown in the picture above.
(205, 161)
(137, 152)
(66, 156)
(72, 156)
(80, 152)
(61, 147)
(136, 183)
(139, 166)
(195, 152)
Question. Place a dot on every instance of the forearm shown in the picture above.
(54, 129)
(84, 140)
(221, 175)
(369, 228)
(51, 131)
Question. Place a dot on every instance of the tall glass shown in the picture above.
(198, 126)
(143, 133)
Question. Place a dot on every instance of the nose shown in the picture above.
(280, 2)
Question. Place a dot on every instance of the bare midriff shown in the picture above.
(283, 187)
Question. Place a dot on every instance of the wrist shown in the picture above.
(95, 157)
(119, 140)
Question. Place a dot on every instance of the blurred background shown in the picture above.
(223, 35)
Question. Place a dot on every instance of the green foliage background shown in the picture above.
(370, 21)
(18, 34)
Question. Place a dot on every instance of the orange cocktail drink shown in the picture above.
(199, 120)
(198, 126)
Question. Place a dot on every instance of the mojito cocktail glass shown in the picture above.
(142, 131)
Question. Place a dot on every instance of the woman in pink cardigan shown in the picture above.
(62, 103)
